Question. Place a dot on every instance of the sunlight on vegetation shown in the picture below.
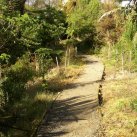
(40, 44)
(43, 97)
(119, 56)
(31, 50)
(120, 108)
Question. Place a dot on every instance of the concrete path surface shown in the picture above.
(75, 111)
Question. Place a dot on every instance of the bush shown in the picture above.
(134, 104)
(16, 78)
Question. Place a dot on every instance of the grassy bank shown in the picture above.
(120, 103)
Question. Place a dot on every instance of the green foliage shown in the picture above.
(124, 51)
(135, 40)
(17, 35)
(38, 32)
(33, 32)
(125, 42)
(30, 32)
(81, 24)
(52, 27)
(134, 104)
(16, 78)
(82, 19)
(4, 58)
(44, 60)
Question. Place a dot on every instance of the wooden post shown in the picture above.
(66, 55)
(57, 62)
(109, 44)
(69, 56)
(135, 51)
(130, 60)
(49, 3)
(122, 62)
(42, 68)
(36, 64)
(0, 72)
(116, 58)
(76, 51)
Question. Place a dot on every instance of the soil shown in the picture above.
(75, 112)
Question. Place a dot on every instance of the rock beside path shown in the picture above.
(75, 112)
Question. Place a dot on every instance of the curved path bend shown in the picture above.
(74, 113)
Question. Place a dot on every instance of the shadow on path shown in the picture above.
(78, 84)
(74, 113)
(66, 112)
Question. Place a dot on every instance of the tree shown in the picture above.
(16, 5)
(81, 27)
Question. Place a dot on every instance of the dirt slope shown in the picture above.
(75, 111)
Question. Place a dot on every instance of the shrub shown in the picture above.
(134, 104)
(16, 78)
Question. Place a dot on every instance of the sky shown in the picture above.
(32, 1)
(123, 4)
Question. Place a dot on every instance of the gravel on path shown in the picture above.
(75, 112)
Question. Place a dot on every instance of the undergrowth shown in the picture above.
(120, 104)
(27, 113)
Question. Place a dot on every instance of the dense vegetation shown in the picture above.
(119, 29)
(39, 35)
(35, 37)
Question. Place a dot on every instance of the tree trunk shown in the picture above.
(0, 72)
(66, 55)
(130, 60)
(16, 5)
(36, 64)
(116, 58)
(22, 7)
(57, 62)
(76, 51)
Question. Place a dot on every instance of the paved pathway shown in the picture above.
(75, 111)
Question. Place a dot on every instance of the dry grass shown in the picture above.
(120, 101)
(43, 97)
(120, 107)
(63, 77)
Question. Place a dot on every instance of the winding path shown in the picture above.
(75, 111)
